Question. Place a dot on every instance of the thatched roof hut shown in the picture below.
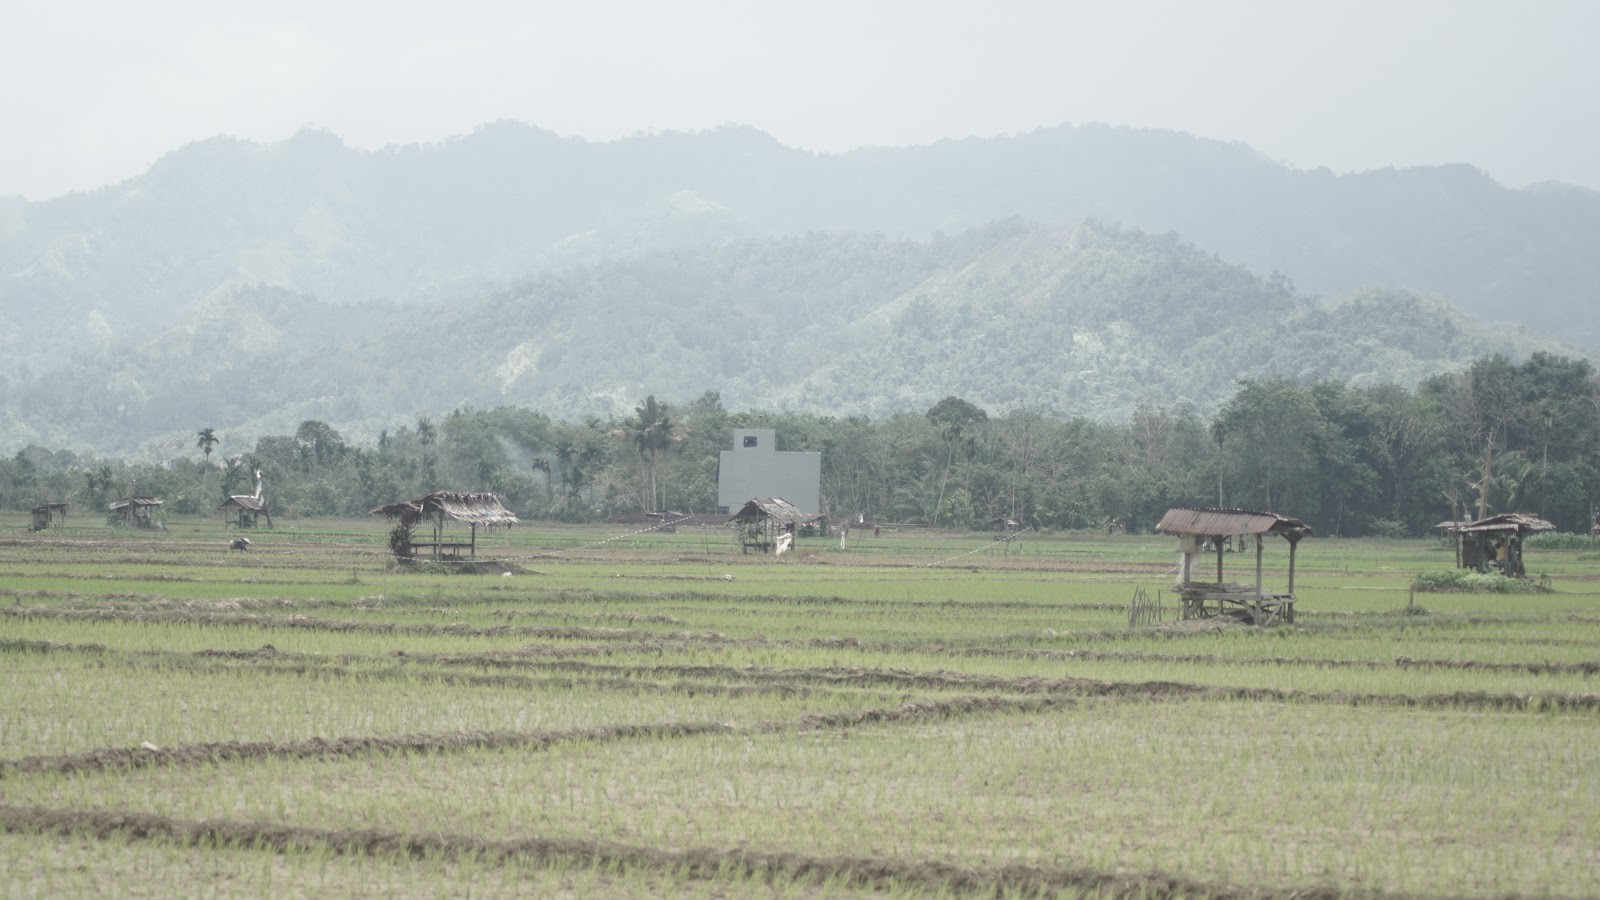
(763, 522)
(1494, 543)
(471, 509)
(49, 514)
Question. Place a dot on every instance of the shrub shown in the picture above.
(1463, 581)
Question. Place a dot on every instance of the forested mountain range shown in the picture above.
(252, 286)
(1092, 320)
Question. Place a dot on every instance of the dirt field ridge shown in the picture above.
(708, 864)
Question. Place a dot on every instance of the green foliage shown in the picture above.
(1463, 581)
(1560, 540)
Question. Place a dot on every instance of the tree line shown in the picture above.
(1351, 460)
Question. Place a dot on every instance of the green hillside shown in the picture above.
(1092, 320)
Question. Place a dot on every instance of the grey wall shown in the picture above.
(754, 468)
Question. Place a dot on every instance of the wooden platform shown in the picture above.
(1207, 599)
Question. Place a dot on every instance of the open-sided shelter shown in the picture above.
(1494, 543)
(249, 507)
(769, 524)
(51, 514)
(470, 509)
(135, 512)
(1195, 526)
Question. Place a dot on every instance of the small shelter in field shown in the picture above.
(1197, 526)
(248, 507)
(135, 512)
(1494, 543)
(770, 524)
(1005, 525)
(51, 514)
(438, 508)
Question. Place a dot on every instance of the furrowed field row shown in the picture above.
(1363, 800)
(127, 759)
(211, 613)
(782, 688)
(782, 873)
(523, 657)
(1368, 639)
(287, 623)
(694, 678)
(61, 862)
(69, 707)
(819, 653)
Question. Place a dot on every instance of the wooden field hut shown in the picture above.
(247, 509)
(51, 514)
(135, 512)
(474, 510)
(1005, 524)
(1197, 526)
(770, 524)
(1494, 543)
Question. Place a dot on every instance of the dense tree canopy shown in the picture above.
(1350, 460)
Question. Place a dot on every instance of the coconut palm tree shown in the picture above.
(652, 432)
(208, 440)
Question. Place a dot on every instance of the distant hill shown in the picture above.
(1088, 320)
(446, 222)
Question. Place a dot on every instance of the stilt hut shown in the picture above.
(1195, 526)
(1494, 543)
(439, 507)
(49, 515)
(135, 512)
(769, 524)
(249, 507)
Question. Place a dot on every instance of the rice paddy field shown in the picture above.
(590, 712)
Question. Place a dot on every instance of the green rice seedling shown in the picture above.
(1392, 800)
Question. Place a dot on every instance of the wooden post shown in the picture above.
(1259, 542)
(1216, 540)
(1294, 542)
(474, 540)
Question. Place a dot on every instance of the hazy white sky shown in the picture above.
(96, 90)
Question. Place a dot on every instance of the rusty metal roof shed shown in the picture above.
(135, 502)
(244, 502)
(1206, 521)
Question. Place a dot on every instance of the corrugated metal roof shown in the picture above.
(118, 505)
(1209, 521)
(243, 501)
